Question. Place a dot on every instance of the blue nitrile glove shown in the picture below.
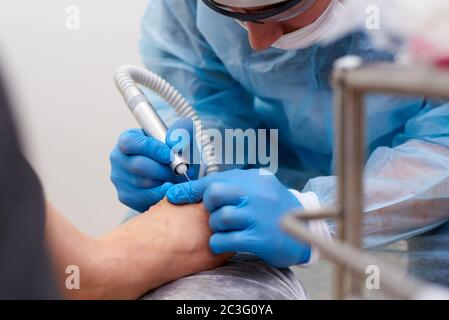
(140, 169)
(246, 208)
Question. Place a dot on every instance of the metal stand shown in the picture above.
(352, 81)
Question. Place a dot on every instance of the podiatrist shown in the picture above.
(258, 64)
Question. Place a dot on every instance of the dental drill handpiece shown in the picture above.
(153, 126)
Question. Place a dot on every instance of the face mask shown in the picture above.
(311, 34)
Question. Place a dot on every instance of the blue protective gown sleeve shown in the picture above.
(407, 185)
(176, 50)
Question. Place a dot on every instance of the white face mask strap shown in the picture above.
(242, 24)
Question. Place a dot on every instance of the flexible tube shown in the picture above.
(127, 79)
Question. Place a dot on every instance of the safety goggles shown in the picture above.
(274, 10)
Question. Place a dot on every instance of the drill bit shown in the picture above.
(187, 177)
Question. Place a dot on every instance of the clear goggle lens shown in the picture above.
(277, 12)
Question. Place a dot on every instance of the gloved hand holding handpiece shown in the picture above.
(140, 165)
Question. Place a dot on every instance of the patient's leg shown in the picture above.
(244, 277)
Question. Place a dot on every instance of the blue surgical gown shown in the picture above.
(207, 57)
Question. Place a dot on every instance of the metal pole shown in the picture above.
(396, 79)
(353, 179)
(351, 82)
(318, 215)
(395, 281)
(339, 124)
(349, 126)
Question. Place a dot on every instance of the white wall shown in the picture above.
(69, 111)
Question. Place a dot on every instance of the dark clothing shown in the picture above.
(25, 271)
